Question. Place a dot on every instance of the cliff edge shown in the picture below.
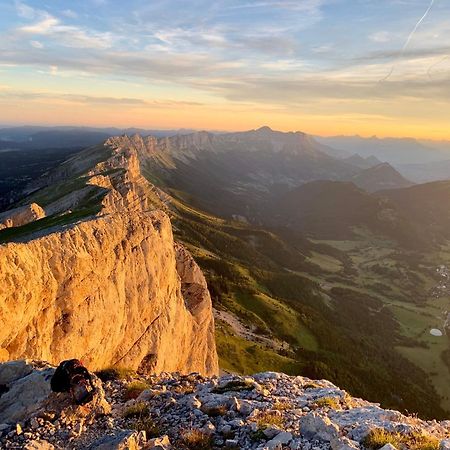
(100, 278)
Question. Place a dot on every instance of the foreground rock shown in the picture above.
(172, 411)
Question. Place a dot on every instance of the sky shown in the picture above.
(368, 67)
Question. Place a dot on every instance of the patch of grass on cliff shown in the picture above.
(327, 402)
(138, 410)
(146, 424)
(267, 419)
(115, 373)
(134, 389)
(236, 386)
(379, 437)
(47, 223)
(195, 439)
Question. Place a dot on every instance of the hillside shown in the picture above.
(379, 177)
(426, 206)
(258, 273)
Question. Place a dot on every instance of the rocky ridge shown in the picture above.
(110, 288)
(266, 411)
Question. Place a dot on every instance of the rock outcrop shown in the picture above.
(111, 289)
(21, 216)
(268, 411)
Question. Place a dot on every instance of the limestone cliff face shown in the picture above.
(111, 290)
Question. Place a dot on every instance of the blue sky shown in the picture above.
(289, 62)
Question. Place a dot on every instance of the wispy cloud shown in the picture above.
(46, 24)
(12, 95)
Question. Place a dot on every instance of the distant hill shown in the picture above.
(381, 176)
(362, 163)
(426, 206)
(391, 150)
(415, 216)
(334, 210)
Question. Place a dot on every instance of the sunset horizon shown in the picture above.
(233, 66)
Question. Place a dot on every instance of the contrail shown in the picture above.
(413, 32)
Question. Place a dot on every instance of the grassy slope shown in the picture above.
(70, 181)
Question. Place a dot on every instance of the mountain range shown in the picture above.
(308, 272)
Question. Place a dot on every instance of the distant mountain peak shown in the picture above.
(264, 129)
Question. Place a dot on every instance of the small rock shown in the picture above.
(271, 432)
(279, 440)
(388, 447)
(232, 444)
(161, 443)
(343, 443)
(34, 423)
(445, 445)
(38, 445)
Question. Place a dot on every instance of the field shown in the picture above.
(404, 286)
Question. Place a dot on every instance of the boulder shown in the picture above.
(316, 427)
(127, 440)
(27, 388)
(29, 396)
(13, 370)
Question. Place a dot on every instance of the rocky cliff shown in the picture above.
(101, 279)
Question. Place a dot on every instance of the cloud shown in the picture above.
(381, 37)
(309, 6)
(24, 10)
(260, 52)
(70, 14)
(46, 24)
(37, 44)
(11, 95)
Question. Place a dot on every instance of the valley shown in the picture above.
(291, 293)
